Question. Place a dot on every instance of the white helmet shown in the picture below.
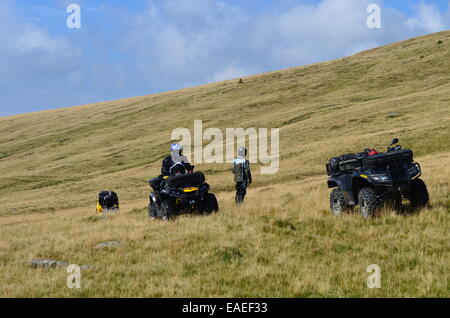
(242, 151)
(176, 148)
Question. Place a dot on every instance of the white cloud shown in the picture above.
(427, 18)
(30, 38)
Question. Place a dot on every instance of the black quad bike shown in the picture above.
(181, 194)
(372, 180)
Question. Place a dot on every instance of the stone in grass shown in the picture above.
(108, 244)
(393, 115)
(47, 263)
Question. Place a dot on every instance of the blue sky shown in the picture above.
(131, 48)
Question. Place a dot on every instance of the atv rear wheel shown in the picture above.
(368, 202)
(210, 204)
(338, 205)
(419, 196)
(167, 209)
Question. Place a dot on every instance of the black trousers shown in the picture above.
(241, 191)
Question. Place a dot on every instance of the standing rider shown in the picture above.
(242, 174)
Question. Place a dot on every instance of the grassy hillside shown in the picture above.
(283, 241)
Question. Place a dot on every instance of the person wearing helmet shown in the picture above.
(242, 174)
(172, 165)
(175, 163)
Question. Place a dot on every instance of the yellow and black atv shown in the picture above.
(181, 194)
(108, 203)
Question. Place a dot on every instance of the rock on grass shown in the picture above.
(108, 244)
(47, 263)
(393, 115)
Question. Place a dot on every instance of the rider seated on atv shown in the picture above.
(176, 163)
(173, 165)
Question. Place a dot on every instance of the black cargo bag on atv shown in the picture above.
(383, 159)
(344, 163)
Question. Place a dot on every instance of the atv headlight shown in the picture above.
(175, 192)
(380, 177)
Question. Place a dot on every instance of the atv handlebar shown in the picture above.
(398, 147)
(394, 143)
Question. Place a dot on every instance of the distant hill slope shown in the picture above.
(61, 158)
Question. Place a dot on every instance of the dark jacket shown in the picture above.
(241, 170)
(168, 163)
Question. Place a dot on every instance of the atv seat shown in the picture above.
(189, 180)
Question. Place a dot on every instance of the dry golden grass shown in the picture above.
(283, 242)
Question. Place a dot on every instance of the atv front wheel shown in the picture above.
(338, 205)
(152, 211)
(419, 196)
(368, 202)
(210, 204)
(167, 209)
